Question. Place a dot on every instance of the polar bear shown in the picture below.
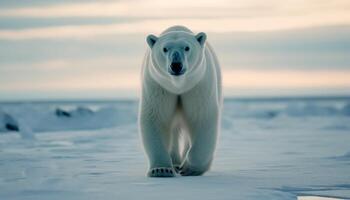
(180, 103)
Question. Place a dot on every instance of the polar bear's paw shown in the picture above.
(161, 172)
(177, 168)
(188, 170)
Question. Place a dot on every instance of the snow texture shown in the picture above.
(268, 149)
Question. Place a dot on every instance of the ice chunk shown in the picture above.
(346, 109)
(62, 113)
(316, 198)
(310, 109)
(8, 123)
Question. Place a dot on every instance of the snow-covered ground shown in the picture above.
(268, 149)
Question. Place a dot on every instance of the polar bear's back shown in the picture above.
(213, 62)
(176, 28)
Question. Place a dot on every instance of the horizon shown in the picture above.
(94, 49)
(136, 99)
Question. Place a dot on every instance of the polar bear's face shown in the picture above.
(177, 59)
(176, 53)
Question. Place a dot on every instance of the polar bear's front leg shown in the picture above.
(204, 131)
(155, 147)
(155, 119)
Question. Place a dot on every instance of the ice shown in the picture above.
(268, 149)
(316, 198)
(44, 118)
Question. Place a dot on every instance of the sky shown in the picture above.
(94, 49)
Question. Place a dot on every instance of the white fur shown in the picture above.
(179, 115)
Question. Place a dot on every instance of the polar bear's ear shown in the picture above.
(201, 37)
(151, 40)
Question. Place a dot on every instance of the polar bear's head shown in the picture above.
(177, 58)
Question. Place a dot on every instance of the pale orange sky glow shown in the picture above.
(288, 79)
(232, 79)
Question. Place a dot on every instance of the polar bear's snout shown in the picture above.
(176, 67)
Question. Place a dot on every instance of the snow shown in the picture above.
(268, 149)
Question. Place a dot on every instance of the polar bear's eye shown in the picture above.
(165, 50)
(187, 48)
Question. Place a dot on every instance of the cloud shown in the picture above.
(54, 65)
(287, 79)
(180, 8)
(225, 25)
(139, 9)
(154, 16)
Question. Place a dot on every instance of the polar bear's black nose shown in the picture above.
(176, 68)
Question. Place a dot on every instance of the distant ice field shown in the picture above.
(267, 149)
